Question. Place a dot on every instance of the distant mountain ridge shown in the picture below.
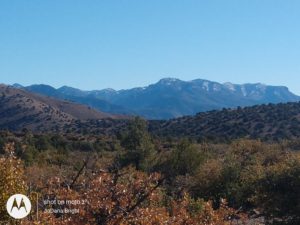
(170, 97)
(76, 95)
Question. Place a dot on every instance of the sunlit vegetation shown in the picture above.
(136, 178)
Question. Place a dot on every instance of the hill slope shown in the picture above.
(268, 122)
(20, 109)
(171, 98)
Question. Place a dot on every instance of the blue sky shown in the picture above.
(127, 43)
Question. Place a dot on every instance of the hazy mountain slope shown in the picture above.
(20, 109)
(76, 95)
(272, 121)
(171, 97)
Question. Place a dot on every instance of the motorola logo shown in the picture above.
(18, 206)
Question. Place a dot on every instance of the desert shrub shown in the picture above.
(132, 197)
(42, 142)
(29, 155)
(278, 191)
(234, 176)
(11, 179)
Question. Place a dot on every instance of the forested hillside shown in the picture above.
(265, 122)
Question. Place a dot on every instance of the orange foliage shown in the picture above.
(128, 197)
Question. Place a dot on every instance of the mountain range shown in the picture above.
(22, 109)
(170, 97)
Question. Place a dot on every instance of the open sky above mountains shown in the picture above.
(124, 44)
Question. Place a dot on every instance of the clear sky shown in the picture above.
(126, 43)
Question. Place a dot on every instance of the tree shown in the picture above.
(138, 144)
(185, 159)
